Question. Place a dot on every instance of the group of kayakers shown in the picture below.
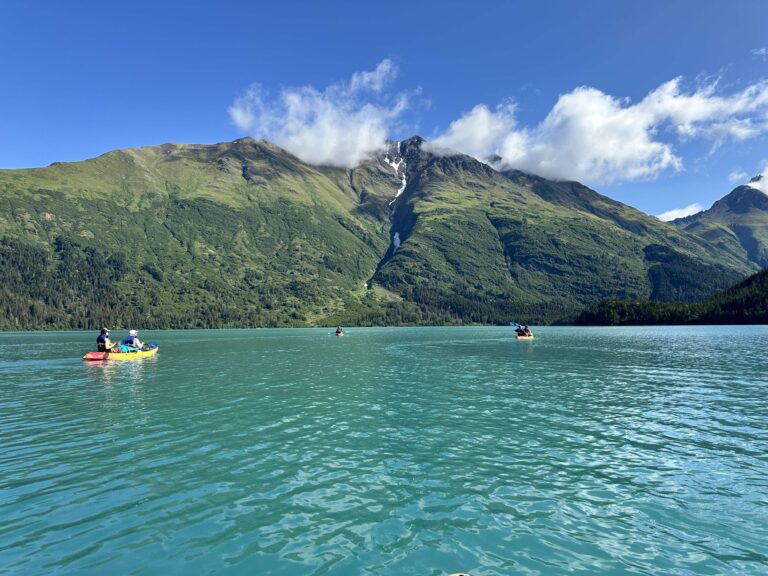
(130, 343)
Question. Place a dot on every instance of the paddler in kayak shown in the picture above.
(523, 331)
(339, 331)
(132, 341)
(103, 343)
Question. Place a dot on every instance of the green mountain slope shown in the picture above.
(744, 303)
(487, 246)
(231, 234)
(245, 234)
(737, 223)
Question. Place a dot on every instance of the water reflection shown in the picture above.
(122, 390)
(107, 372)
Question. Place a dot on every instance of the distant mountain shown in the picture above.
(245, 234)
(744, 303)
(738, 223)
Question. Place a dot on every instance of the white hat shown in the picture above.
(133, 332)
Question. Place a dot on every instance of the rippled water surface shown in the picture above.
(389, 451)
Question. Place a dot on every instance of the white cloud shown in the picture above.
(588, 135)
(478, 131)
(374, 80)
(340, 125)
(761, 52)
(597, 138)
(760, 182)
(680, 212)
(737, 176)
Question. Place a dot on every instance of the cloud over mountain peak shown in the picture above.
(588, 135)
(339, 126)
(601, 139)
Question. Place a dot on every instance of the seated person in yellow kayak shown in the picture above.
(523, 331)
(103, 343)
(132, 341)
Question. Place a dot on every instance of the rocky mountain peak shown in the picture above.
(743, 199)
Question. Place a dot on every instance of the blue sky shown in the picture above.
(561, 88)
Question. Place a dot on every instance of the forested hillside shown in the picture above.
(744, 303)
(245, 234)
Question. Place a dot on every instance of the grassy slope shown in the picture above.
(244, 233)
(241, 231)
(738, 223)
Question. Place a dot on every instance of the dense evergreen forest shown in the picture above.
(744, 303)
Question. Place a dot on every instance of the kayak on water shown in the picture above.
(521, 332)
(114, 355)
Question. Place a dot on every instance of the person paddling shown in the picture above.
(527, 331)
(133, 340)
(523, 331)
(103, 343)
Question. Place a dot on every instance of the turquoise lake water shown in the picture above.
(410, 451)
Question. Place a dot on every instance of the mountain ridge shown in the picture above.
(244, 233)
(738, 222)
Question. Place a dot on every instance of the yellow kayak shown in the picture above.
(524, 337)
(121, 355)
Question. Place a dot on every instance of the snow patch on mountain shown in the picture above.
(396, 165)
(400, 190)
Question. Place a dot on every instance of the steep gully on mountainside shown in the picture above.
(395, 159)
